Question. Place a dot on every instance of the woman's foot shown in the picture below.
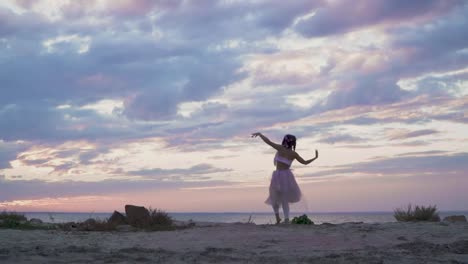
(286, 220)
(278, 219)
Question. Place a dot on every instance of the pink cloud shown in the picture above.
(25, 3)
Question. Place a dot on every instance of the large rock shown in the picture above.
(117, 219)
(455, 218)
(137, 215)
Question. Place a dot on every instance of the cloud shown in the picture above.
(37, 121)
(435, 46)
(440, 36)
(153, 64)
(405, 134)
(366, 91)
(195, 171)
(152, 75)
(345, 16)
(11, 190)
(9, 151)
(430, 164)
(12, 24)
(340, 138)
(215, 20)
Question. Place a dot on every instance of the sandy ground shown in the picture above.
(245, 243)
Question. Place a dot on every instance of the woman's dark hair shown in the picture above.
(289, 142)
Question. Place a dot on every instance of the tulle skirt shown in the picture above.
(283, 188)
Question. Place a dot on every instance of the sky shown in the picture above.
(112, 102)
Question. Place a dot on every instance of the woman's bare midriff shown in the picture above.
(281, 166)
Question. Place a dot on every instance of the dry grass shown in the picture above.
(98, 225)
(160, 220)
(418, 213)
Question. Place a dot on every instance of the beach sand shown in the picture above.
(245, 243)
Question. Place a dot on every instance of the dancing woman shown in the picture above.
(283, 185)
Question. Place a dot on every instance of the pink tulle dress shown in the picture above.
(283, 185)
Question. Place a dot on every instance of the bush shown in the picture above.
(302, 220)
(14, 220)
(419, 213)
(159, 218)
(11, 219)
(12, 216)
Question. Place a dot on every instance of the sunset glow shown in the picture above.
(105, 103)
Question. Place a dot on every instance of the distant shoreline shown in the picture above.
(232, 217)
(246, 212)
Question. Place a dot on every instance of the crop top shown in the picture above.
(284, 160)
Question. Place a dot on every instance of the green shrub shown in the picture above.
(302, 220)
(418, 213)
(12, 216)
(11, 219)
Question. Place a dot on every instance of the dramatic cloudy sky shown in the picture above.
(107, 102)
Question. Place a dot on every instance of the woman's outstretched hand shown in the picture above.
(256, 134)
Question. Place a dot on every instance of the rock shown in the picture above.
(35, 221)
(117, 219)
(455, 218)
(137, 215)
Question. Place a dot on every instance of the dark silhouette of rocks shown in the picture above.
(117, 219)
(455, 218)
(137, 216)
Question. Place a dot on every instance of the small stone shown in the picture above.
(35, 221)
(455, 218)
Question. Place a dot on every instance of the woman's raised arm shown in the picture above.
(267, 141)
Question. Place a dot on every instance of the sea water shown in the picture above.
(244, 217)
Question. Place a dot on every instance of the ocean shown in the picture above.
(257, 218)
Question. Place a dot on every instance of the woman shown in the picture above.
(283, 185)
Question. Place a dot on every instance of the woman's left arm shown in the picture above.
(306, 162)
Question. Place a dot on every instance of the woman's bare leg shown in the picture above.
(285, 206)
(276, 210)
